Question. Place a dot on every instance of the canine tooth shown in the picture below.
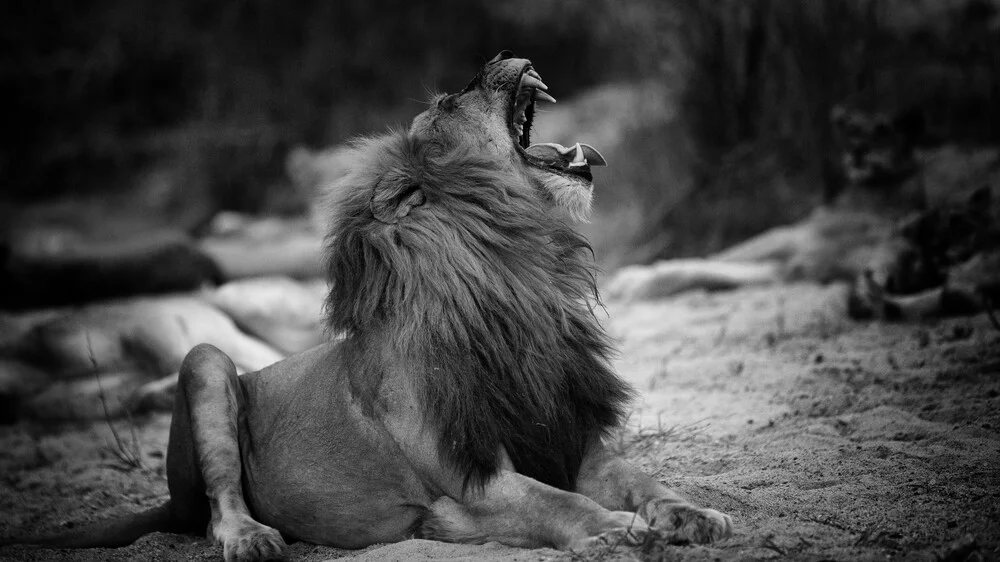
(579, 158)
(528, 80)
(541, 95)
(594, 158)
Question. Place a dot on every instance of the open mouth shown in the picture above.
(572, 161)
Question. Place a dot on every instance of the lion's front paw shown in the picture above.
(685, 523)
(619, 528)
(245, 540)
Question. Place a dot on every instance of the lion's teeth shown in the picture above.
(562, 150)
(553, 145)
(530, 81)
(594, 158)
(541, 95)
(570, 155)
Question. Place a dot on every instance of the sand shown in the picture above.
(825, 439)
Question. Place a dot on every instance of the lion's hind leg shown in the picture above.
(203, 458)
(515, 510)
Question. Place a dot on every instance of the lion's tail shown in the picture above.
(111, 533)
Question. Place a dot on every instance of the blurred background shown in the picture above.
(713, 114)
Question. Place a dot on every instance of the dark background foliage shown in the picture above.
(217, 92)
(102, 87)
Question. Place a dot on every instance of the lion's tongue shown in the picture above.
(579, 155)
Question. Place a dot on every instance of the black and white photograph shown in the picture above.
(528, 280)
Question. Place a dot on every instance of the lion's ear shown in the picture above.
(393, 200)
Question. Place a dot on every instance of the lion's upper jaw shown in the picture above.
(483, 295)
(497, 109)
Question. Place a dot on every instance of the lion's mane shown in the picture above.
(484, 297)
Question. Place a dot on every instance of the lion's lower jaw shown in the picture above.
(574, 198)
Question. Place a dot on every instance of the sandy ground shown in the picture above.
(825, 439)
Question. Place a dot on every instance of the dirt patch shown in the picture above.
(825, 439)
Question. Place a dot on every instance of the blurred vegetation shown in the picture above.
(761, 77)
(214, 94)
(105, 88)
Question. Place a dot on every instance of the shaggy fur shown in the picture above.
(488, 297)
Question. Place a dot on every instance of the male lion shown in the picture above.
(471, 392)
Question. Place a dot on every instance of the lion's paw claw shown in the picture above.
(622, 528)
(690, 524)
(249, 541)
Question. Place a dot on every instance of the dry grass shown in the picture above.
(619, 549)
(643, 439)
(128, 451)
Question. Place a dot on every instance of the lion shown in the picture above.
(889, 180)
(122, 356)
(471, 393)
(955, 248)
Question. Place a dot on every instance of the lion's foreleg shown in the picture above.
(209, 388)
(869, 299)
(519, 511)
(615, 484)
(928, 304)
